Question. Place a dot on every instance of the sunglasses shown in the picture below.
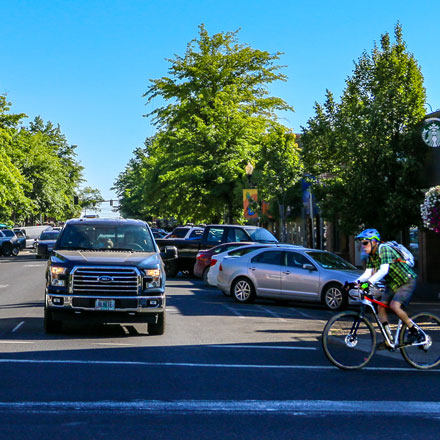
(365, 242)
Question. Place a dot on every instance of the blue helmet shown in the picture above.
(369, 234)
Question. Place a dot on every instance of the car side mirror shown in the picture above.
(170, 253)
(309, 267)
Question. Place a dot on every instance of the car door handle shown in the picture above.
(252, 268)
(287, 272)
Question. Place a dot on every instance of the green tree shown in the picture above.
(90, 198)
(363, 152)
(216, 107)
(279, 169)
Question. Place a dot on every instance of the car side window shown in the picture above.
(294, 259)
(236, 234)
(215, 235)
(268, 257)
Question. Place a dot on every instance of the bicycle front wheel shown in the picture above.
(426, 355)
(349, 341)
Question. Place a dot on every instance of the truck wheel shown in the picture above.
(7, 249)
(171, 268)
(50, 324)
(15, 251)
(159, 327)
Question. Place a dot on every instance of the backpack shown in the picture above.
(405, 255)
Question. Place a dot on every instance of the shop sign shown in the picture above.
(431, 132)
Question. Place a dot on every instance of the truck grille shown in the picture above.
(105, 281)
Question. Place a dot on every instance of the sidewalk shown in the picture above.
(427, 292)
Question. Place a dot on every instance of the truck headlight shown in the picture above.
(56, 273)
(152, 278)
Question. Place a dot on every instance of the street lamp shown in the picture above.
(249, 170)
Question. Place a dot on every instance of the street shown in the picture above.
(222, 370)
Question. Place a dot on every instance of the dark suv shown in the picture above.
(106, 270)
(9, 244)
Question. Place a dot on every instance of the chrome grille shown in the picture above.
(105, 281)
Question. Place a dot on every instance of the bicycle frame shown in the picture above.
(367, 301)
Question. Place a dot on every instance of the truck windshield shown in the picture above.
(261, 235)
(106, 238)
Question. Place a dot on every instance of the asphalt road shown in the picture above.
(222, 370)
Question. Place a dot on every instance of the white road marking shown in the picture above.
(301, 313)
(34, 265)
(298, 407)
(17, 342)
(2, 286)
(17, 326)
(272, 313)
(196, 365)
(275, 347)
(112, 343)
(235, 312)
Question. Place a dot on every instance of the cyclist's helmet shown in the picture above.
(369, 234)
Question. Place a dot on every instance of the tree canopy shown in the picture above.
(364, 152)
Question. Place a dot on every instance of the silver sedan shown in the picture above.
(290, 273)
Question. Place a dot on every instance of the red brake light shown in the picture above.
(221, 267)
(213, 262)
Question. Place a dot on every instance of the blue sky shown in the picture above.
(85, 64)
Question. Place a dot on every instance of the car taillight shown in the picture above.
(221, 267)
(213, 262)
(202, 257)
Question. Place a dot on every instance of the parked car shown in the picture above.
(289, 273)
(21, 237)
(46, 242)
(213, 235)
(9, 244)
(203, 258)
(158, 233)
(216, 260)
(185, 232)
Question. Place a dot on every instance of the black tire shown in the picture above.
(7, 249)
(15, 251)
(205, 275)
(426, 355)
(243, 290)
(51, 325)
(334, 297)
(346, 351)
(171, 268)
(157, 328)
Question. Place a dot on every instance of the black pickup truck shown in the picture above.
(213, 235)
(106, 270)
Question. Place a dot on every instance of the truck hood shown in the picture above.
(104, 258)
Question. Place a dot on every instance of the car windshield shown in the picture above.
(8, 233)
(119, 237)
(52, 235)
(261, 235)
(331, 261)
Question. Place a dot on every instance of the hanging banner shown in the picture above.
(249, 197)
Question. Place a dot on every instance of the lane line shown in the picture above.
(113, 343)
(270, 312)
(197, 365)
(17, 326)
(301, 313)
(263, 347)
(17, 342)
(3, 286)
(299, 407)
(235, 312)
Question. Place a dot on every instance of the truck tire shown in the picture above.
(15, 251)
(159, 327)
(7, 249)
(50, 324)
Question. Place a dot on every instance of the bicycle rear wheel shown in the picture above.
(427, 355)
(349, 341)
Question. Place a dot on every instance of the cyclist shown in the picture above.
(384, 263)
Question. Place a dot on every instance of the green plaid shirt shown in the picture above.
(399, 272)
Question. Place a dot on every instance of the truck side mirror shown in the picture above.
(170, 253)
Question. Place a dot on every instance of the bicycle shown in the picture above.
(349, 338)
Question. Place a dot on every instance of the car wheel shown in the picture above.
(15, 251)
(157, 328)
(51, 325)
(205, 275)
(334, 297)
(243, 290)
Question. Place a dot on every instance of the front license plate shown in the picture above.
(105, 304)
